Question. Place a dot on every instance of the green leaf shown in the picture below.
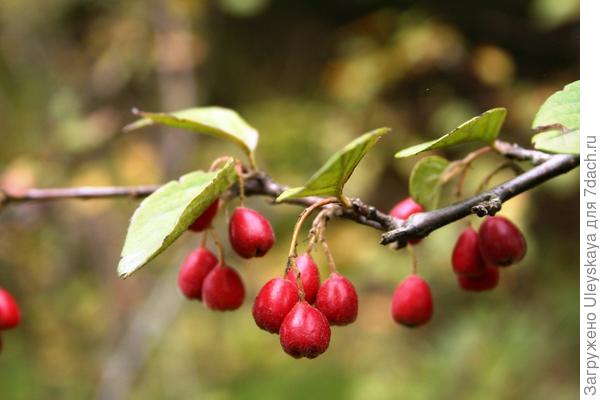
(483, 128)
(558, 142)
(329, 180)
(216, 121)
(164, 215)
(558, 121)
(426, 181)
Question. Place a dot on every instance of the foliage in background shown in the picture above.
(310, 76)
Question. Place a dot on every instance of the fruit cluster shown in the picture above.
(10, 315)
(207, 278)
(478, 256)
(301, 309)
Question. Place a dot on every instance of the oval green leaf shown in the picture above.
(483, 128)
(216, 121)
(329, 180)
(558, 122)
(425, 182)
(164, 215)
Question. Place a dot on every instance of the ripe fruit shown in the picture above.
(10, 315)
(501, 243)
(223, 289)
(304, 332)
(412, 304)
(274, 301)
(406, 208)
(204, 220)
(486, 281)
(309, 274)
(193, 271)
(250, 233)
(466, 258)
(337, 300)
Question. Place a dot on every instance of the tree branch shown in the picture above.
(486, 203)
(419, 225)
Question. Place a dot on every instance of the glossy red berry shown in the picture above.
(10, 315)
(309, 274)
(501, 243)
(304, 332)
(337, 300)
(412, 303)
(406, 208)
(250, 234)
(193, 271)
(274, 301)
(466, 258)
(223, 289)
(205, 219)
(488, 280)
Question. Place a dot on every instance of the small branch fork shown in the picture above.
(258, 183)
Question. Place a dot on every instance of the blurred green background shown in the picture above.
(310, 76)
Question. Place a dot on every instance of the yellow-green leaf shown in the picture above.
(329, 180)
(216, 121)
(164, 215)
(558, 121)
(483, 128)
(425, 182)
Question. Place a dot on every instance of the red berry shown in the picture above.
(205, 219)
(501, 243)
(466, 258)
(406, 208)
(412, 304)
(309, 274)
(337, 300)
(250, 233)
(304, 332)
(223, 289)
(488, 280)
(274, 301)
(193, 271)
(10, 315)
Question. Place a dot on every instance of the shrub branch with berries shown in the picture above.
(297, 305)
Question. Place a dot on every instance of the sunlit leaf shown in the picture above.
(483, 128)
(216, 121)
(164, 215)
(329, 180)
(426, 181)
(558, 142)
(558, 121)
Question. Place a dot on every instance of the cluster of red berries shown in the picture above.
(476, 259)
(10, 315)
(302, 316)
(206, 278)
(301, 309)
(478, 256)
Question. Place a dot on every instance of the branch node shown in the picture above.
(489, 206)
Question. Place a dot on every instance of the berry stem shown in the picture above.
(219, 161)
(330, 260)
(462, 166)
(504, 165)
(413, 256)
(293, 253)
(204, 238)
(218, 244)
